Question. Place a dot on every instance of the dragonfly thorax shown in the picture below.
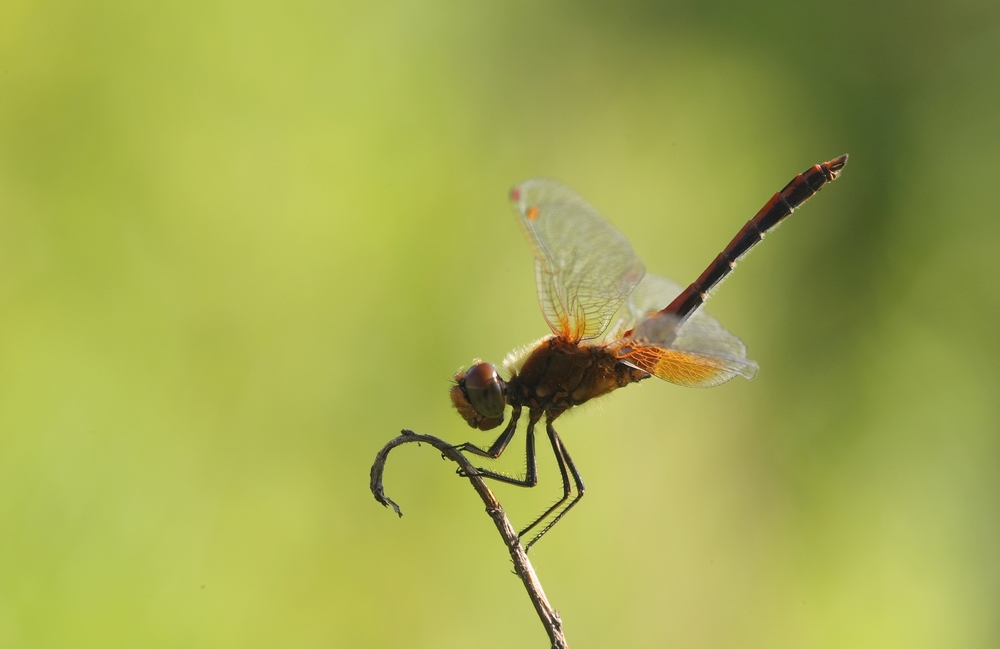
(560, 374)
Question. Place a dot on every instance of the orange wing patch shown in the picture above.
(565, 332)
(682, 368)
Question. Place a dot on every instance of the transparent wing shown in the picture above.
(683, 368)
(698, 353)
(584, 268)
(650, 295)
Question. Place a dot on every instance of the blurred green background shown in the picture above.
(243, 245)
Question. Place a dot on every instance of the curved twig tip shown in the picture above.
(522, 567)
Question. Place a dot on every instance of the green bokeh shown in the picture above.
(241, 246)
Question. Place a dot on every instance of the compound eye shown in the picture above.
(485, 390)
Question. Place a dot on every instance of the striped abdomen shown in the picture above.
(801, 189)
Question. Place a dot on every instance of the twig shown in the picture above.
(547, 614)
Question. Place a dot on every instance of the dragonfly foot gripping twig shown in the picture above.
(522, 566)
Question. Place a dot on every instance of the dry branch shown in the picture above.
(522, 566)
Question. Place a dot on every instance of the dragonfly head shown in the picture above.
(480, 396)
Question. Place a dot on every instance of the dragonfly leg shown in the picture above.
(531, 472)
(567, 489)
(500, 444)
(580, 488)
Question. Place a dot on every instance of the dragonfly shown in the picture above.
(612, 324)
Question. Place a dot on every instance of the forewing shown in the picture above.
(698, 353)
(584, 267)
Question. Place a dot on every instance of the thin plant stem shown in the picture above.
(522, 566)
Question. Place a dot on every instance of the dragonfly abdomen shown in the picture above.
(803, 187)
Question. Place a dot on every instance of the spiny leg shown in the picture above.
(567, 489)
(580, 488)
(500, 444)
(531, 472)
